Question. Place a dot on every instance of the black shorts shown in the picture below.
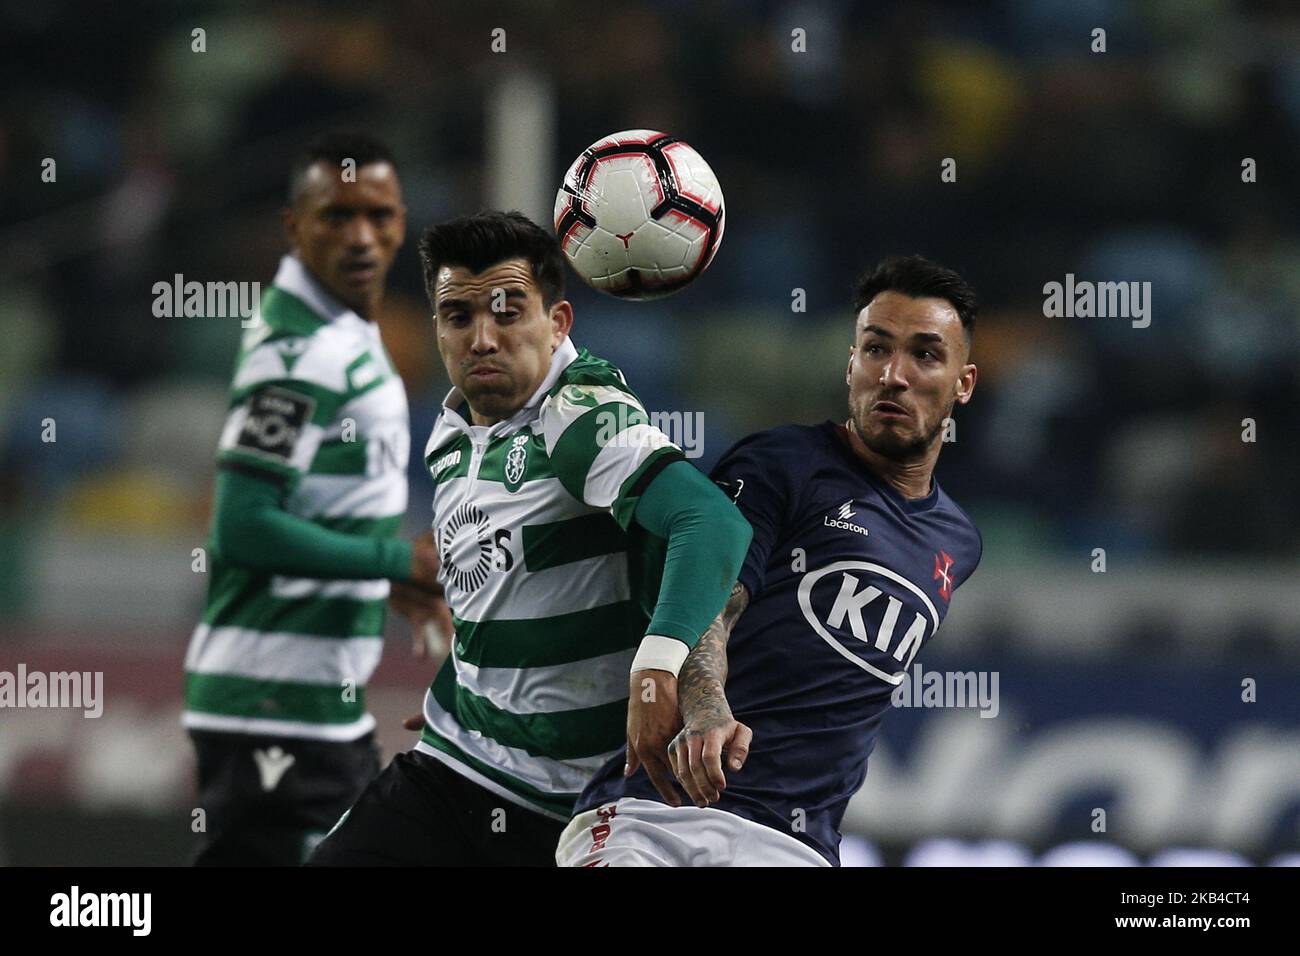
(267, 801)
(420, 812)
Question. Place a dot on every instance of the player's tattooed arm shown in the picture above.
(709, 727)
(704, 674)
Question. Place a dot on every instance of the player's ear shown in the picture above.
(966, 383)
(561, 321)
(848, 372)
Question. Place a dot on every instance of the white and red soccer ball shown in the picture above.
(639, 214)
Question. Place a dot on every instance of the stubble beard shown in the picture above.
(494, 400)
(889, 444)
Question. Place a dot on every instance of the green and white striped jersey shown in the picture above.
(550, 581)
(315, 400)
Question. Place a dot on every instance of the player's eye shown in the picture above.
(872, 349)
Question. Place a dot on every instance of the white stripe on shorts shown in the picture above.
(634, 832)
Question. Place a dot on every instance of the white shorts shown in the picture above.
(635, 832)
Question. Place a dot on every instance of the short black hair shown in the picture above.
(486, 238)
(333, 148)
(919, 278)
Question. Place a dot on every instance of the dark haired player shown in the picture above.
(310, 491)
(581, 556)
(855, 555)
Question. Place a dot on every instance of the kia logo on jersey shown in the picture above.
(868, 614)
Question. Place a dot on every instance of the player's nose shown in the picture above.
(891, 374)
(361, 235)
(485, 334)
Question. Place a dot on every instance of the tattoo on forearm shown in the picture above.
(703, 676)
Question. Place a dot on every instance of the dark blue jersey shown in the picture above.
(847, 580)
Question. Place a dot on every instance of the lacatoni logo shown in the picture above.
(885, 627)
(1102, 300)
(214, 300)
(949, 689)
(79, 690)
(841, 520)
(75, 908)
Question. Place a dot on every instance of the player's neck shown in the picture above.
(369, 310)
(491, 418)
(911, 479)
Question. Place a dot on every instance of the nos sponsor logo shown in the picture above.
(873, 617)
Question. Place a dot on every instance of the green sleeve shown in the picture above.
(251, 529)
(707, 540)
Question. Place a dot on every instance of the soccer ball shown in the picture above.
(639, 214)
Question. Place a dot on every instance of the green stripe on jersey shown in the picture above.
(562, 735)
(561, 803)
(544, 642)
(287, 315)
(581, 442)
(249, 697)
(340, 458)
(588, 369)
(317, 616)
(574, 539)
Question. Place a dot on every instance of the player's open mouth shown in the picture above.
(890, 410)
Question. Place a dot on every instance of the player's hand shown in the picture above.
(652, 719)
(425, 564)
(695, 755)
(431, 624)
(422, 601)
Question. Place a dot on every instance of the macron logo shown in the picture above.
(271, 766)
(842, 521)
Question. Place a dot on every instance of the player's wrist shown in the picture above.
(659, 653)
(704, 705)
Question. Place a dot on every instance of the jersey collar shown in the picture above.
(292, 277)
(839, 437)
